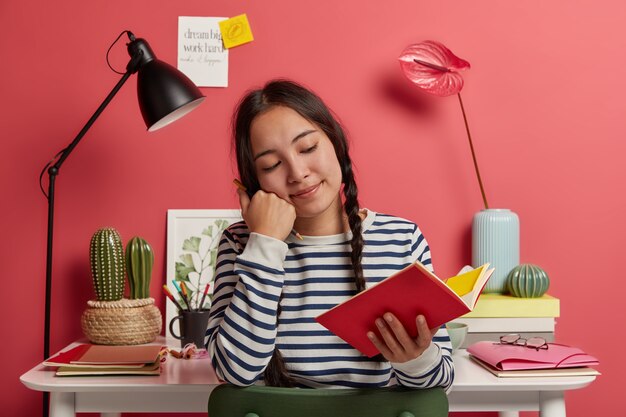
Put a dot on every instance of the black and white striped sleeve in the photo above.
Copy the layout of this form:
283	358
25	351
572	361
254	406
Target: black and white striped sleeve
242	325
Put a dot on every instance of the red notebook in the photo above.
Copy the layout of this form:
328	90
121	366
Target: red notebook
413	290
88	355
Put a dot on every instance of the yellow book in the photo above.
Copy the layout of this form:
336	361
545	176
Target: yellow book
499	305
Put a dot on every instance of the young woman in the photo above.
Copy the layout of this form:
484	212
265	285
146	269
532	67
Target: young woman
292	157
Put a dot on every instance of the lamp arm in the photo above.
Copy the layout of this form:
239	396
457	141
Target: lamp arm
131	68
90	122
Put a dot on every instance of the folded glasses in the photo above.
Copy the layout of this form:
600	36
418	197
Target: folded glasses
517	340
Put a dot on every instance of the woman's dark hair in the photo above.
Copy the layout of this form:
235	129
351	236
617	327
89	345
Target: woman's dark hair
296	97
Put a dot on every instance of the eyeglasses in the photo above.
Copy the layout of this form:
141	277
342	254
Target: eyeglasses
517	340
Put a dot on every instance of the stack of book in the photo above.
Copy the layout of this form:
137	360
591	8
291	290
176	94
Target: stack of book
88	359
495	315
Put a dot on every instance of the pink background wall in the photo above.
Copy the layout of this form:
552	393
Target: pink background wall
545	99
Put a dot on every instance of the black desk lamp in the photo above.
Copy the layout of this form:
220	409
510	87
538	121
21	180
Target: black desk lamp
165	95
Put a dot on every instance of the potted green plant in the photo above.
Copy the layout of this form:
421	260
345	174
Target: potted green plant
111	319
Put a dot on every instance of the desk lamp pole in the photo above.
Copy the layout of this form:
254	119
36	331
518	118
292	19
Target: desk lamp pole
53	171
180	97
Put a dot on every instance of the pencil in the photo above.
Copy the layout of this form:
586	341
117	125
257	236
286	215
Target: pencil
184	287
171	297
206	290
180	292
243	188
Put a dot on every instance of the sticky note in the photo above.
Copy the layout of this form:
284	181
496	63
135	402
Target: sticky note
236	31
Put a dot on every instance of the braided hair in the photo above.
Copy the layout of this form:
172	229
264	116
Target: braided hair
290	94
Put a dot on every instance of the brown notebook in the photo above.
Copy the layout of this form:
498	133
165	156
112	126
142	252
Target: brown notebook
105	355
88	355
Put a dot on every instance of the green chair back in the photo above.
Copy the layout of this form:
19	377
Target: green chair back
228	400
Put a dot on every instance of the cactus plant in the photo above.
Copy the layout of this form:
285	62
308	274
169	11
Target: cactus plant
106	256
139	261
527	281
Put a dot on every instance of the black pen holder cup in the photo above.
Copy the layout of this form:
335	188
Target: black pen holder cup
192	326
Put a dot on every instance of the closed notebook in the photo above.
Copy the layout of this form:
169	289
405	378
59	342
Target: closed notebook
88	355
96	370
510	357
535	373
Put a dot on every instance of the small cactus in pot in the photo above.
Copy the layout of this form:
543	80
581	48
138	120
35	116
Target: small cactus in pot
139	262
112	319
106	256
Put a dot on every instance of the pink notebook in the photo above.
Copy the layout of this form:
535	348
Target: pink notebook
510	357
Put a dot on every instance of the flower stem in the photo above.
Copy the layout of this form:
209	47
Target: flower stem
469	136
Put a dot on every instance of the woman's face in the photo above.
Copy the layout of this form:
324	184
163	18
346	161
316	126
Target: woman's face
294	159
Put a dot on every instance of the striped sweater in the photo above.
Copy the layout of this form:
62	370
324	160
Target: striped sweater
255	273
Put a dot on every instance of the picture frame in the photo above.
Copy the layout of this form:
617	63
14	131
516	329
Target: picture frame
192	242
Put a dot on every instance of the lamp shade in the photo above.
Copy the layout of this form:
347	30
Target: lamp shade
165	94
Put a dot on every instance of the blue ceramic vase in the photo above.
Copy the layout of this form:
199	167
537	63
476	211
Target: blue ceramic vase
495	239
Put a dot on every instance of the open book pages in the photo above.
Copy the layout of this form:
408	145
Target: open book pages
469	284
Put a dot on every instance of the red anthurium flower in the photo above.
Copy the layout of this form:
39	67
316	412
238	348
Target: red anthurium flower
433	68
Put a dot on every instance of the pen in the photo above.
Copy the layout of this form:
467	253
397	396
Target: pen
243	188
171	297
206	290
182	295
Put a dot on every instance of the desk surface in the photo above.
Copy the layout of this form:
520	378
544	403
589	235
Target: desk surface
197	374
184	386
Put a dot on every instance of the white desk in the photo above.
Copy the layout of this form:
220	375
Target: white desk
184	386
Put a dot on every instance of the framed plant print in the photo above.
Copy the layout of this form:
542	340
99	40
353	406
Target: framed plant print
192	241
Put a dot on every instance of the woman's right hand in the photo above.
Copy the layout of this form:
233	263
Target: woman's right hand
267	214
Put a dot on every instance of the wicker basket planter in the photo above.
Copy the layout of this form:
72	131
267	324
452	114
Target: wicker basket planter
123	322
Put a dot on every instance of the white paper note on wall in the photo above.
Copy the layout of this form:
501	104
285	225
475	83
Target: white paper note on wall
201	53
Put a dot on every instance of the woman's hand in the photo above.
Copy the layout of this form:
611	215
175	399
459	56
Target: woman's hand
396	344
267	214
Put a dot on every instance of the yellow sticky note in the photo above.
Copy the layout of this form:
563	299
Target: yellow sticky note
236	31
